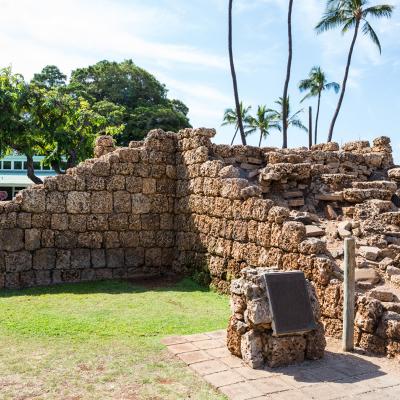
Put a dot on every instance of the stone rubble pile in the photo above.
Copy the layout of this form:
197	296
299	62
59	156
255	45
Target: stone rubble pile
250	334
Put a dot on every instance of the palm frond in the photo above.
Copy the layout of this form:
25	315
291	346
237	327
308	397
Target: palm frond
383	10
333	85
298	124
350	23
331	20
367	30
308	96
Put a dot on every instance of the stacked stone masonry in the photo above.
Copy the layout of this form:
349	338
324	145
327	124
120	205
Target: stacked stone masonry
179	203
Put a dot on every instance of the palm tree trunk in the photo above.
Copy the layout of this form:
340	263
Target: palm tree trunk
234	136
346	75
286	87
261	136
317	118
31	170
234	80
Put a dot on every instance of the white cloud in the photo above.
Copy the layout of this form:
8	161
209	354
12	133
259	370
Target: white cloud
89	30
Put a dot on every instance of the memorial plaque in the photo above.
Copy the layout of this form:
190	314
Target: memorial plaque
289	303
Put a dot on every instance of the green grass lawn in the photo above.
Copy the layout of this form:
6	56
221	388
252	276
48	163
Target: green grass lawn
102	341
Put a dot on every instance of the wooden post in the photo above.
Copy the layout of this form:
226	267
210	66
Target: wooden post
310	128
349	289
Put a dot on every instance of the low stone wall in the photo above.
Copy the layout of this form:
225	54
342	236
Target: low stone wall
110	217
177	202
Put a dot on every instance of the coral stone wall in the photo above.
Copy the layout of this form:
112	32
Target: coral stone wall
177	202
110	217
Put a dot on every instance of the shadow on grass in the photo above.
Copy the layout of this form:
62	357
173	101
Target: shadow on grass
157	284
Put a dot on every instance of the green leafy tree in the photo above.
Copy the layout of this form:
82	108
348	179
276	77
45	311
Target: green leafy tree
240	122
315	84
37	120
137	91
287	80
264	122
50	77
347	15
231	118
291	119
16	133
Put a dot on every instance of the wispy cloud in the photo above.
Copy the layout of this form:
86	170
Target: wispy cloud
93	29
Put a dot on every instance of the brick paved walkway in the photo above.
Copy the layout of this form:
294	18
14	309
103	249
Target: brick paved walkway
338	376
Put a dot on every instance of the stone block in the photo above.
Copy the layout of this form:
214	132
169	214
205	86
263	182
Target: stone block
24	220
32	239
101	168
43	277
153	257
80	258
44	259
97	222
118	222
78	203
115	258
42	220
59	222
65	240
134	257
111	240
98	258
18	261
65	183
95	183
77	222
55	202
140	204
122	202
101	202
48	238
134	184
32	200
91	240
11	239
116	182
63	259
129	239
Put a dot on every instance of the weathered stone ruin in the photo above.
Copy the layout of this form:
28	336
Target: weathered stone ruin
250	334
178	203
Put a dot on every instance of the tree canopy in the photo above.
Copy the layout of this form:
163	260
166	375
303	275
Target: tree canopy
142	96
60	120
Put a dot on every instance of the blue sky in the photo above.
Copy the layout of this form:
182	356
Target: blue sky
184	44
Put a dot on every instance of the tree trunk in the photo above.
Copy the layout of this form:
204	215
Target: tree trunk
234	136
31	170
346	75
309	127
234	81
261	137
317	118
286	87
56	166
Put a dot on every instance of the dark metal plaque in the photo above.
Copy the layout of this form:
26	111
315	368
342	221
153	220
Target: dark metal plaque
289	303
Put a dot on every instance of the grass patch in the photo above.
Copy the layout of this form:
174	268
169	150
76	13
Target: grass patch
101	340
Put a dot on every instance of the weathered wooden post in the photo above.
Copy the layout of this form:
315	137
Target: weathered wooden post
349	288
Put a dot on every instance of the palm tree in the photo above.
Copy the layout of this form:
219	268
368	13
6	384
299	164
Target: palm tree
234	80
231	118
316	83
264	122
287	80
291	119
348	14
